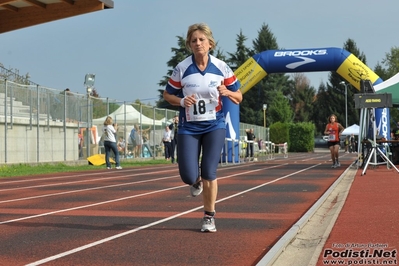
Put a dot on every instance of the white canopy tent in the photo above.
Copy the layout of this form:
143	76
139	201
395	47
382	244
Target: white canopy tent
353	129
132	117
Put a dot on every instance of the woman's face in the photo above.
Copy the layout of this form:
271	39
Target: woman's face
332	119
199	43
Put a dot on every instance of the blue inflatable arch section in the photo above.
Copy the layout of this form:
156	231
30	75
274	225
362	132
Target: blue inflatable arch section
260	65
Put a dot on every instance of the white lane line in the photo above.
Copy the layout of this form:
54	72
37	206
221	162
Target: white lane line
93	188
87	189
115	200
85	181
91	180
27	180
104	240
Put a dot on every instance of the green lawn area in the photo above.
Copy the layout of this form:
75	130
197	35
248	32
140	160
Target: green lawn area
48	168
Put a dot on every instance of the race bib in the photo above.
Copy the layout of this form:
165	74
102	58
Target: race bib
202	110
331	137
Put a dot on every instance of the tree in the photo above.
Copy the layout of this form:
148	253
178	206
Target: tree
302	98
179	54
391	61
280	110
251	110
321	109
241	55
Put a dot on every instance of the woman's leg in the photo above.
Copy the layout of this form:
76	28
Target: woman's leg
188	154
209	194
336	152
212	144
332	153
168	150
114	148
107	152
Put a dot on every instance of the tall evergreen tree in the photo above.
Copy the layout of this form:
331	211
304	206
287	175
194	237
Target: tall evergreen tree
179	54
280	110
302	98
235	60
251	110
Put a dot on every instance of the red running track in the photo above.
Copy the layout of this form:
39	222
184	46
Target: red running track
366	231
145	216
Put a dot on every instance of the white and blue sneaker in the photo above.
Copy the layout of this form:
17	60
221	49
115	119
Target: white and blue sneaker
196	189
208	224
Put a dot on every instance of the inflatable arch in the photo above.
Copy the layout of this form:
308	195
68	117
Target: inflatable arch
343	62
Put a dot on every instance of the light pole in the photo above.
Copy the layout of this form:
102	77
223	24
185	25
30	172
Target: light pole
346	102
264	114
88	83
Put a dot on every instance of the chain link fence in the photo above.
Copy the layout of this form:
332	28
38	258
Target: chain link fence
40	124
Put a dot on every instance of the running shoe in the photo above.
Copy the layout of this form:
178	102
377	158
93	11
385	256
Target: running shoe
208	224
337	164
196	189
118	167
109	168
334	165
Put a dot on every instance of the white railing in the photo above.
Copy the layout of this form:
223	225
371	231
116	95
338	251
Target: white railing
237	151
283	148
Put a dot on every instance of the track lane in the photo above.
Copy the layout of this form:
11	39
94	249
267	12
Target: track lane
156	215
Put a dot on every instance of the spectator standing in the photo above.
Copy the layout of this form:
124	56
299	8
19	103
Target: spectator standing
80	144
109	132
167	142
140	140
121	146
250	143
132	140
174	127
346	142
352	144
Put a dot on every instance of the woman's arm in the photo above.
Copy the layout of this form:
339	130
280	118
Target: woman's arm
326	132
172	99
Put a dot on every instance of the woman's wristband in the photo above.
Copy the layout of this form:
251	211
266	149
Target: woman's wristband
182	102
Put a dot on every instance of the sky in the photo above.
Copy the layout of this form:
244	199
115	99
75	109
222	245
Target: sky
128	47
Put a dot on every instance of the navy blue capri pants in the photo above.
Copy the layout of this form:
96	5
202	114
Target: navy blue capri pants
189	153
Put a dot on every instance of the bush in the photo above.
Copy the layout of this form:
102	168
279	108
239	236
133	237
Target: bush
299	136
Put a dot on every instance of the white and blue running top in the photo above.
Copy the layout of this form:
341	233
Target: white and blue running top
187	79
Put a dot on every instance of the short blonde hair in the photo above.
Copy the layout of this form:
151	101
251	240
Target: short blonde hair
108	121
204	28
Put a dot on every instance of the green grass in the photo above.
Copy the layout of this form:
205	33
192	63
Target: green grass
15	170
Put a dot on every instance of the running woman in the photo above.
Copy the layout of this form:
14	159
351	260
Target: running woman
197	85
334	130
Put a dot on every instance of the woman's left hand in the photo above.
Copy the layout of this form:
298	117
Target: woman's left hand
223	90
235	97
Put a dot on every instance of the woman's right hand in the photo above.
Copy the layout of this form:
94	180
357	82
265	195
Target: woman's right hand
189	100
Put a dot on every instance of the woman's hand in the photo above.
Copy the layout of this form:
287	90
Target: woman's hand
234	96
188	100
